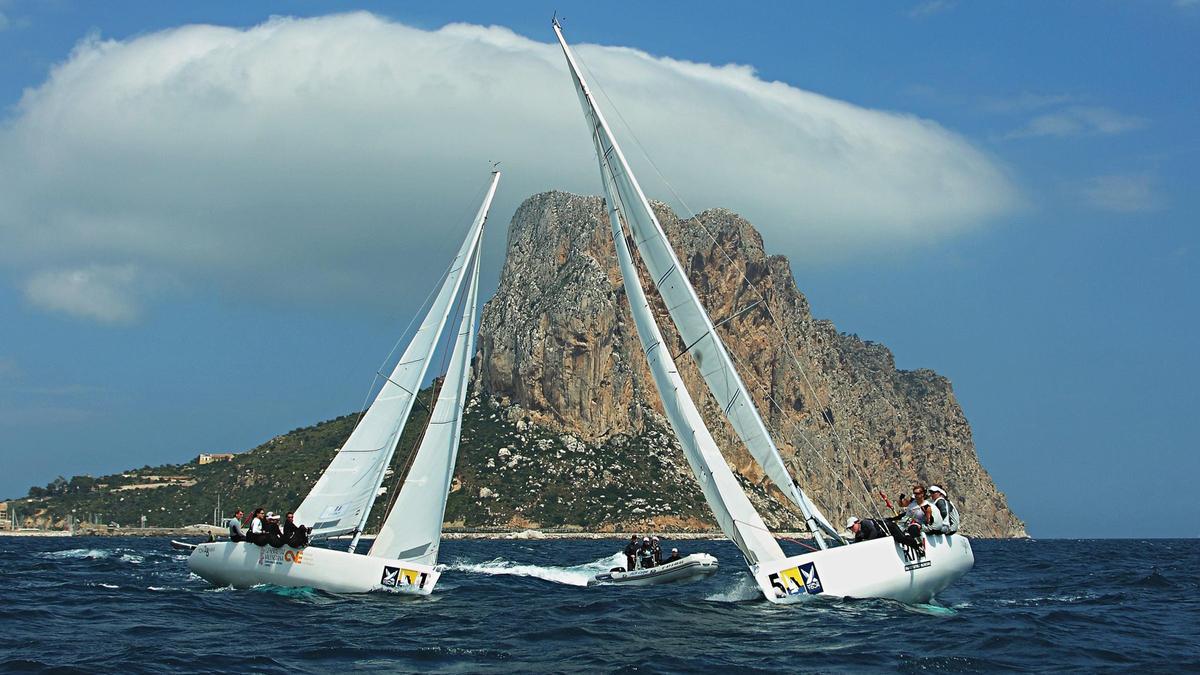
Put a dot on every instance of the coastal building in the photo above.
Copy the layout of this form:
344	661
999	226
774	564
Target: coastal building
205	458
5	517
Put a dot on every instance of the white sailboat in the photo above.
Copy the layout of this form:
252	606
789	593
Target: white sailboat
880	568
403	557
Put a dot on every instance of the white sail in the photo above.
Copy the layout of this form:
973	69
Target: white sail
341	500
733	511
413	529
695	328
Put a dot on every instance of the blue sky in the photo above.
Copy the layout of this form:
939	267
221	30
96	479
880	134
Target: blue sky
1055	285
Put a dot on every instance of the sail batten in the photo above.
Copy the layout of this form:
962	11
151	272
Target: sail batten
684	306
342	498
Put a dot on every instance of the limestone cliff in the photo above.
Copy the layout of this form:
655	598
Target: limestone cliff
559	353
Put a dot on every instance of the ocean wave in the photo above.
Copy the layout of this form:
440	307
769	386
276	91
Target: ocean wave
572	575
76	554
742	589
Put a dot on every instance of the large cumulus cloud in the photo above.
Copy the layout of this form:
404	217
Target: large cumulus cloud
339	158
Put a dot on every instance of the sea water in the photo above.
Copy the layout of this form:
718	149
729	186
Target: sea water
124	604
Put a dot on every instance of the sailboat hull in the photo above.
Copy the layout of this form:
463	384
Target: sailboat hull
243	565
880	568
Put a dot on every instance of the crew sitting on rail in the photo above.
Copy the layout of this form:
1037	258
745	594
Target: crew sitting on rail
295	535
236	533
631	551
257	534
947	514
646	554
904	526
932	521
865	530
274	534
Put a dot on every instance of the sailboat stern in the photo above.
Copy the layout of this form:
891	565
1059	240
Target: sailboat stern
880	568
243	565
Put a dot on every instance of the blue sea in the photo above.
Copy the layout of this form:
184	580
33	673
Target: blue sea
130	605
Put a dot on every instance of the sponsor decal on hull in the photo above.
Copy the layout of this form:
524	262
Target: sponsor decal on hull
269	557
398	577
798	580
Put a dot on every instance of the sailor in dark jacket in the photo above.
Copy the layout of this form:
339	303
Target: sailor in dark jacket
631	551
646	554
294	535
274	534
865	530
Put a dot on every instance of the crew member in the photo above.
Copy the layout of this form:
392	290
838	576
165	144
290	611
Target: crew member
646	554
945	509
865	530
656	549
674	555
904	526
631	551
257	534
933	517
274	534
295	535
236	533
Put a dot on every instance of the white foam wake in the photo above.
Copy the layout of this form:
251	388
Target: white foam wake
741	589
124	555
573	575
78	553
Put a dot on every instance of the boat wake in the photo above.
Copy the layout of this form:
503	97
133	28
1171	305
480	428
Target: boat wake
741	589
124	555
574	575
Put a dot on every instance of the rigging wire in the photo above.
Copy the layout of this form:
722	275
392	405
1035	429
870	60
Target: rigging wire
836	436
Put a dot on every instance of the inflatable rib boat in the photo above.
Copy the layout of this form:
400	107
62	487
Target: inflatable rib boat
687	568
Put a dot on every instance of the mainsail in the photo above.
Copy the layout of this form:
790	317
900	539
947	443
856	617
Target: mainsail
341	500
413	529
692	321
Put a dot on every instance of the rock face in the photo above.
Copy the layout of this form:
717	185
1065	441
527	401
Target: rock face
559	353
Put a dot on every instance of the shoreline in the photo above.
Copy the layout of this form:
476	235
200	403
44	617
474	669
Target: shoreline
526	535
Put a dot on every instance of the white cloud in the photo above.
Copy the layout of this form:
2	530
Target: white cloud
109	294
339	158
929	7
1023	102
1079	121
1122	193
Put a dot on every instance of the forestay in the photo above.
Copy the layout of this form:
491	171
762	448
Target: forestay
692	321
413	529
342	498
